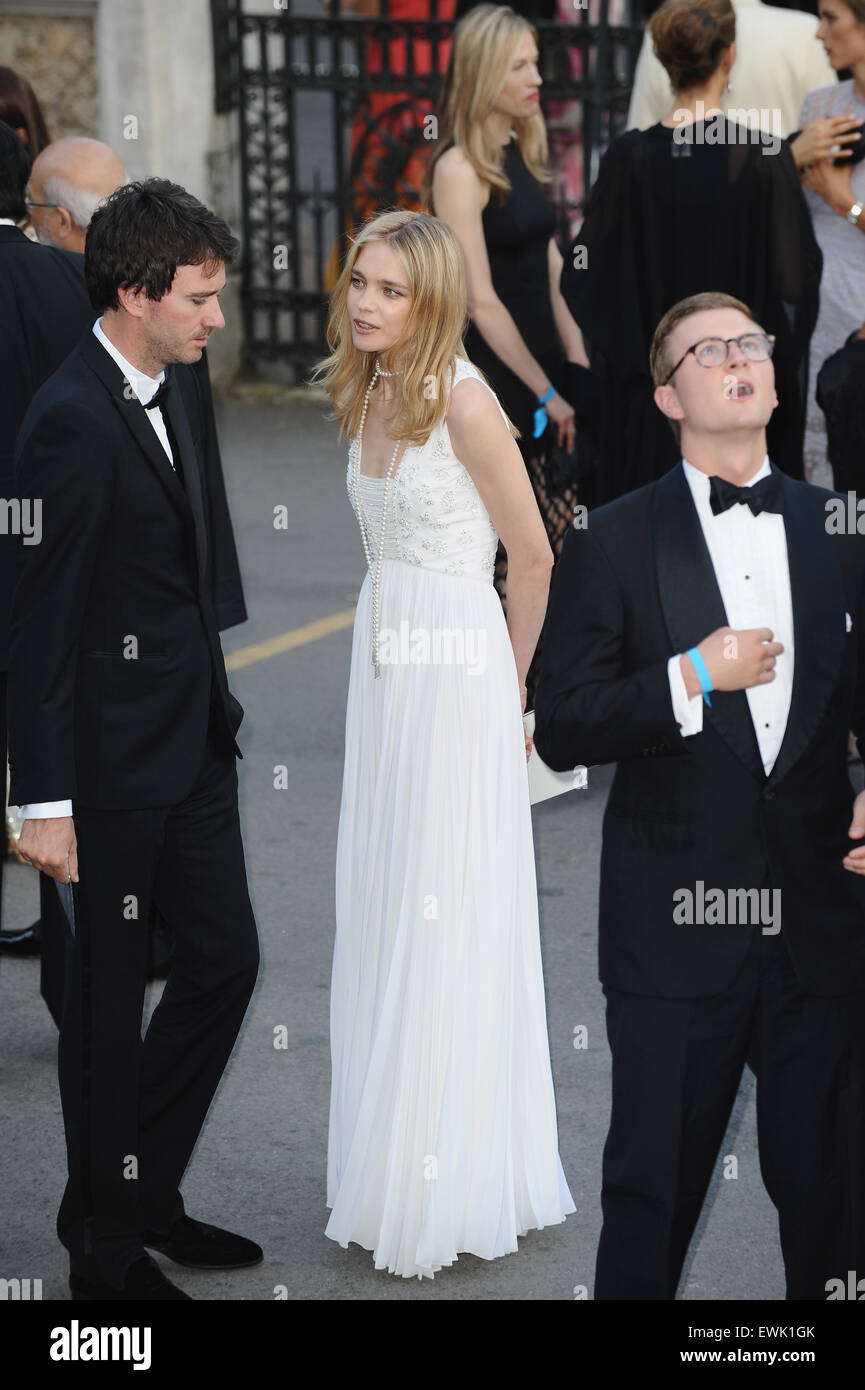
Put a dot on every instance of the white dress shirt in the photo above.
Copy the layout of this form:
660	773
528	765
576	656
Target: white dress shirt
749	556
144	388
779	60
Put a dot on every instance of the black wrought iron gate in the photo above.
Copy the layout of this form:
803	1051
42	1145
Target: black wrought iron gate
330	129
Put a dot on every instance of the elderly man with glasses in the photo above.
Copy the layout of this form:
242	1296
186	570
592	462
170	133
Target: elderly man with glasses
67	182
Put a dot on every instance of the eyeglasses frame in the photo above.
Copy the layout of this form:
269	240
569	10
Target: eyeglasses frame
717	337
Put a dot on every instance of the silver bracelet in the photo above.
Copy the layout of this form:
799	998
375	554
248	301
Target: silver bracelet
854	214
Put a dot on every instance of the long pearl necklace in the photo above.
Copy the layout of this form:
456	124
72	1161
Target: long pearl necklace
376	568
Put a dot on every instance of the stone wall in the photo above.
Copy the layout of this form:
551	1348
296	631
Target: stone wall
140	77
57	53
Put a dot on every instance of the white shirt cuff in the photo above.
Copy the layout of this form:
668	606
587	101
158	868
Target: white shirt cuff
687	709
35	810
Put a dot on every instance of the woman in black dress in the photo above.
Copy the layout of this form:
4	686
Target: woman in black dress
694	203
486	180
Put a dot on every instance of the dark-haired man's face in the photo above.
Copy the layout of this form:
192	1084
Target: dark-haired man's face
177	327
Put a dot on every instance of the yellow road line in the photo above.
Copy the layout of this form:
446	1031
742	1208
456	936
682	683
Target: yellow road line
297	637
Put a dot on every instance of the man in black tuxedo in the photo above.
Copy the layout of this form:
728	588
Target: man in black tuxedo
732	897
44	307
43	310
122	741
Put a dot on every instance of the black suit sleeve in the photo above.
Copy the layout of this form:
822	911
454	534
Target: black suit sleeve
59	468
589	709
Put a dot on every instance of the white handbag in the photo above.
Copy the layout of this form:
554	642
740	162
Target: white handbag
543	782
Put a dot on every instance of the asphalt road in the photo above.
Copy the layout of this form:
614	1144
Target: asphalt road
260	1164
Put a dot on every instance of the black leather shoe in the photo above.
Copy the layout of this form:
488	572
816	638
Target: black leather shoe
198	1246
144	1281
21	943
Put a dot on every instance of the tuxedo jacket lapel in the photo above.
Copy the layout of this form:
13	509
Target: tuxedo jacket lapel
818	623
693	607
134	416
189	501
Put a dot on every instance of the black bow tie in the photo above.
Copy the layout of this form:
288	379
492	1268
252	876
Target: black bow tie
764	496
159	394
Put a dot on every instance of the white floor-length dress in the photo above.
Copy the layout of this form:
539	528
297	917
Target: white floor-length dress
443	1133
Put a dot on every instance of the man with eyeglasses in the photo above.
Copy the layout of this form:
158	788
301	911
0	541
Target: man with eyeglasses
707	635
67	182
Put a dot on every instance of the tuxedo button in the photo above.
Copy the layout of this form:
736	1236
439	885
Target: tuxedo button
767	795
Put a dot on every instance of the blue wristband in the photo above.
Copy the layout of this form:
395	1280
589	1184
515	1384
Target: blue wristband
541	417
702	674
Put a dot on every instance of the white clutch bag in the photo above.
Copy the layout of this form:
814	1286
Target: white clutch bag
543	782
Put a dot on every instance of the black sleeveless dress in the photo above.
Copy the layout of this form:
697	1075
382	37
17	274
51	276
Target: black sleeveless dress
517	234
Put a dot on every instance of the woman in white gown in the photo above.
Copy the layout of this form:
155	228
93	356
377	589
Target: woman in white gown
443	1132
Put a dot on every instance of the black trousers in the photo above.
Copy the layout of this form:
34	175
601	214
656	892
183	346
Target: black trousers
676	1070
4	685
133	1108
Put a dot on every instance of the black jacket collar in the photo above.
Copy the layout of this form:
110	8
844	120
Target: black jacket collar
10	233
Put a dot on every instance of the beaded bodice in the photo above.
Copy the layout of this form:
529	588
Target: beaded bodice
436	518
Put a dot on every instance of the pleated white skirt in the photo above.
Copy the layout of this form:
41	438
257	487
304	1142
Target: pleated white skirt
443	1132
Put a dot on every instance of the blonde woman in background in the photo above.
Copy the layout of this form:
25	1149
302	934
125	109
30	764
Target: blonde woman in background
443	1134
487	179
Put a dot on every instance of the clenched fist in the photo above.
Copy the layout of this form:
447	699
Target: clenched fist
734	660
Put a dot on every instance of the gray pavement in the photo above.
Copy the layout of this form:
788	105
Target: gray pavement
260	1164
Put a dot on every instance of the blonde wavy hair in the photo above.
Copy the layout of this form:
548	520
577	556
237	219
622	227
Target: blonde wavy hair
433	335
482	50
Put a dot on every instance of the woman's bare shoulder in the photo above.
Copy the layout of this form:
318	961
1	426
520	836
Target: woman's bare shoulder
456	169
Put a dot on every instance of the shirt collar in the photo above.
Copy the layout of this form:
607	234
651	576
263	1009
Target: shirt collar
8	222
698	482
143	386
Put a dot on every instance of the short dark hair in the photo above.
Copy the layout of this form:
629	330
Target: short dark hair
142	232
14	173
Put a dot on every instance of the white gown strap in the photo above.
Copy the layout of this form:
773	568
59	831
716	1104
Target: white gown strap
463	368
